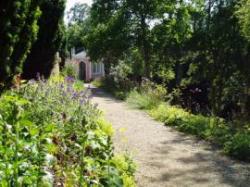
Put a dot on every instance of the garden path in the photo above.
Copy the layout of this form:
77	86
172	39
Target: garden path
165	157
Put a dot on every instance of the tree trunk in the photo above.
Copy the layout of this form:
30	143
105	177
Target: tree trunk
145	47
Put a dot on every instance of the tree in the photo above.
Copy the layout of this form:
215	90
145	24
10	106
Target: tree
78	13
108	37
218	57
197	43
243	14
143	12
102	10
18	31
41	59
121	27
78	26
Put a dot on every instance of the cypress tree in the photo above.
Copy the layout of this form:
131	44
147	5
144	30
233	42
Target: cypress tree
41	59
18	31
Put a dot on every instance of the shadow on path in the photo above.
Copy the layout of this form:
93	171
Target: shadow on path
165	157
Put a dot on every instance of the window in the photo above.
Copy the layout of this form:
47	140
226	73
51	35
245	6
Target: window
96	68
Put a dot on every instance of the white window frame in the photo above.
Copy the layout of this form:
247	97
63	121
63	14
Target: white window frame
96	68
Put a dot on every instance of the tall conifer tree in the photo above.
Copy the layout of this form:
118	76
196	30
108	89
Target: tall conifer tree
18	31
41	59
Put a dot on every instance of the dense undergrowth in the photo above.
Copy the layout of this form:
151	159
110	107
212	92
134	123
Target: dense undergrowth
234	139
51	135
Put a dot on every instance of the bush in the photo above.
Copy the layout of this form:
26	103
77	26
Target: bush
148	96
239	145
69	71
120	74
235	142
51	134
141	101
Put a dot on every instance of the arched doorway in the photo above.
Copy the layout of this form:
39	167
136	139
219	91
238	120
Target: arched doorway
82	71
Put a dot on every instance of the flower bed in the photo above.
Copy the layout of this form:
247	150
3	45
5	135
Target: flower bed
51	135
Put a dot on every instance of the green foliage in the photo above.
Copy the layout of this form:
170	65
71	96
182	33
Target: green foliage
178	44
50	133
117	82
244	17
235	142
110	86
42	56
239	145
78	13
18	31
69	71
194	48
141	101
78	27
232	137
148	96
128	27
127	167
119	74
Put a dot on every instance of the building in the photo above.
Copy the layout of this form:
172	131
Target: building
87	70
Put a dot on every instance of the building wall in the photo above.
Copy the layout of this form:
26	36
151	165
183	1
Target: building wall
82	57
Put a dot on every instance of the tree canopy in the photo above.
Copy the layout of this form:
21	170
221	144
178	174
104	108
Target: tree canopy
203	43
42	56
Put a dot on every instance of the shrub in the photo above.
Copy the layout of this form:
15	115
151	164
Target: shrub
127	167
148	96
155	91
235	142
169	115
69	71
239	145
120	74
51	134
141	101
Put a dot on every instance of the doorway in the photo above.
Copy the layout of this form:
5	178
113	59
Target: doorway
82	71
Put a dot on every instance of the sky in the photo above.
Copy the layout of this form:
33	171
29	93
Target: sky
70	4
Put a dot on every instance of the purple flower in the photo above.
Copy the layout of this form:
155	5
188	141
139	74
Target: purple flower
69	79
75	95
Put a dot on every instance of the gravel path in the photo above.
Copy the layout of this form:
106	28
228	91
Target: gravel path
165	157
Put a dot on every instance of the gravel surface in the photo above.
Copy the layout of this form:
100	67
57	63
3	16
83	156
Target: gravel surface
165	157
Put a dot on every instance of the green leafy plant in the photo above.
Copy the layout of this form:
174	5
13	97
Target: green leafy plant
69	71
148	96
235	142
52	134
